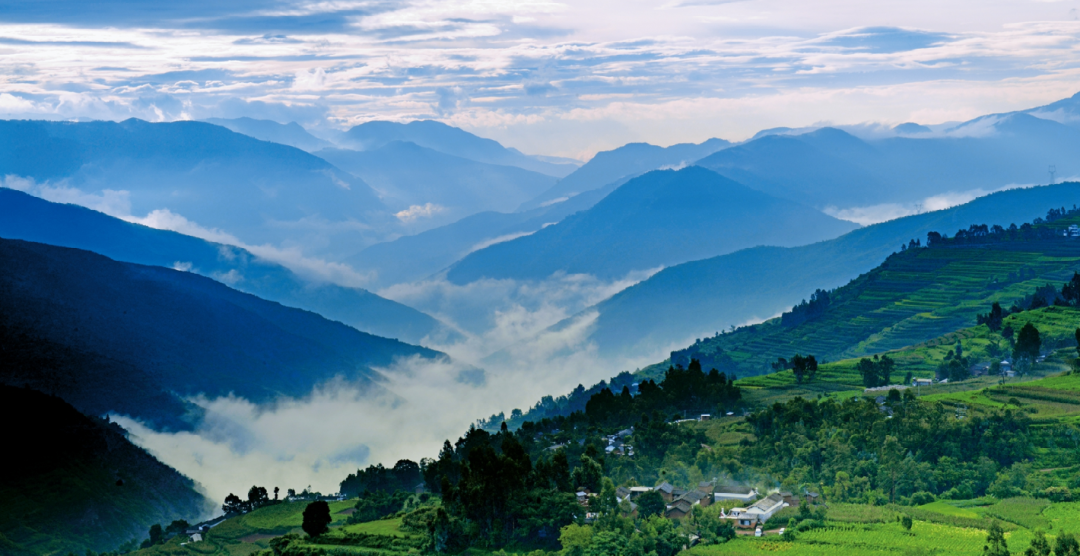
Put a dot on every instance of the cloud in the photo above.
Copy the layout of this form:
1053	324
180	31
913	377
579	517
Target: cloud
320	438
414	212
503	238
890	211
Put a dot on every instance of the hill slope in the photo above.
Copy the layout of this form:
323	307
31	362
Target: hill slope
450	140
912	297
622	163
291	134
165	332
29	218
661	218
407	174
258	191
78	484
415	257
701	297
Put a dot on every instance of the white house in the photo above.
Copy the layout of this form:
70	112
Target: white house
742	494
759	512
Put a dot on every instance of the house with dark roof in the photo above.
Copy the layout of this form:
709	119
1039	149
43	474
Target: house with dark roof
667	491
678	509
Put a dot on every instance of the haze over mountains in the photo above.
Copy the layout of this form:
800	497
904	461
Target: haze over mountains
532	260
29	218
450	140
661	218
705	296
406	174
257	191
156	335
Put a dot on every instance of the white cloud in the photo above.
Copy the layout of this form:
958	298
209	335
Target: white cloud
890	211
427	210
499	239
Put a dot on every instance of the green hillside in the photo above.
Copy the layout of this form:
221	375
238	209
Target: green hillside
912	297
73	483
1056	326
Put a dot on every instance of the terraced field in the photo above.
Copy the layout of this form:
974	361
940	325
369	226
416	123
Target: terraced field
249	533
1056	326
912	298
940	528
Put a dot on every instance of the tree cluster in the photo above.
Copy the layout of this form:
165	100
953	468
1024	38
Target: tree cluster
807	310
876	371
494	495
682	391
257	497
404	475
860	453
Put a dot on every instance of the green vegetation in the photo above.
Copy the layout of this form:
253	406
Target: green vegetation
977	463
914	296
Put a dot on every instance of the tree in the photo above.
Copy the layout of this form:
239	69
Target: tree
789	530
233	505
906	522
157	536
177	527
804	367
575	539
650	503
1028	343
993	319
587	474
316	518
276	489
257	497
1066	545
995	542
1077	342
1039	545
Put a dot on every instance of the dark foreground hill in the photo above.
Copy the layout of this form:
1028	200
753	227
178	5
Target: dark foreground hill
699	298
81	321
73	483
29	218
661	218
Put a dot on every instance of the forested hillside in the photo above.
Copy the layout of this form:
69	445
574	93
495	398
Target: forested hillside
78	484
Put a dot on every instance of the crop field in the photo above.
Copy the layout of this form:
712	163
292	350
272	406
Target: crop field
861	540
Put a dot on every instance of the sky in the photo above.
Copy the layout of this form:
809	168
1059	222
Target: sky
546	77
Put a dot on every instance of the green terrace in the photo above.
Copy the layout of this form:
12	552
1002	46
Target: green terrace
913	297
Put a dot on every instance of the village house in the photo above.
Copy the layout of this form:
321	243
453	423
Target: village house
638	491
678	509
759	512
696	497
740	493
667	491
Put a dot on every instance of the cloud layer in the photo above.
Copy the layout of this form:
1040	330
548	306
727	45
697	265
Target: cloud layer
549	77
